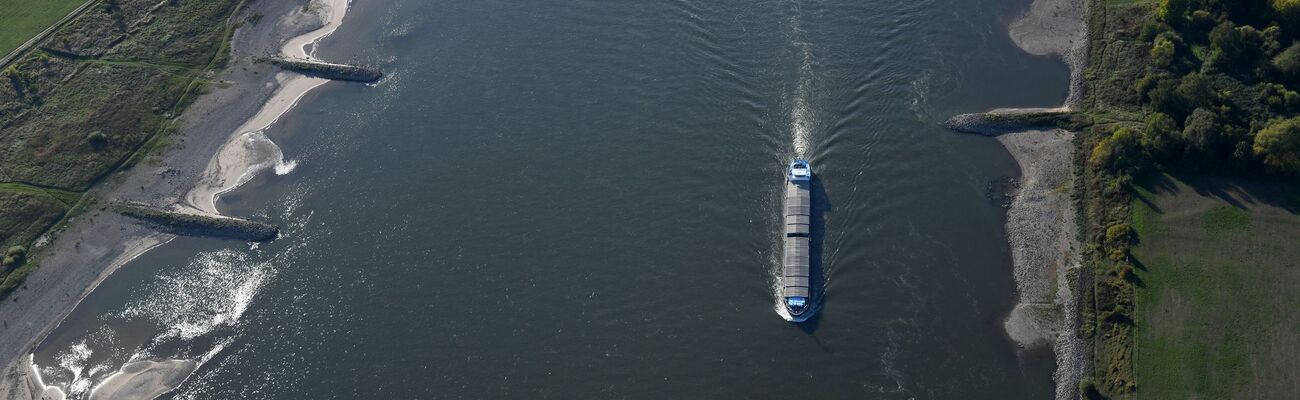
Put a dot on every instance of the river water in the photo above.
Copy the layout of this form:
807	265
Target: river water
579	199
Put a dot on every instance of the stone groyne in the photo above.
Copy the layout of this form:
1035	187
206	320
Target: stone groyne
1008	120
201	225
332	71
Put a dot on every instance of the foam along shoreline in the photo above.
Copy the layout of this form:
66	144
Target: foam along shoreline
249	151
24	380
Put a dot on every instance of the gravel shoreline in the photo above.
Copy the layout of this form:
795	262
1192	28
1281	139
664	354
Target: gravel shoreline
93	245
1041	222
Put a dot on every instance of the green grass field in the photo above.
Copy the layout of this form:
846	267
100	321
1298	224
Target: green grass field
1218	314
23	19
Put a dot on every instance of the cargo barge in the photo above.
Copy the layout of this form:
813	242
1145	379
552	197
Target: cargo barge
796	291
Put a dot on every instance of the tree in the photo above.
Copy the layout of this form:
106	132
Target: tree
1279	144
1236	49
1160	138
1278	98
1172	12
1162	52
1198	130
1195	90
1288	63
1117	151
1164	97
1287	10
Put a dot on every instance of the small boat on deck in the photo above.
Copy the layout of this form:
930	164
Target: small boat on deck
795	288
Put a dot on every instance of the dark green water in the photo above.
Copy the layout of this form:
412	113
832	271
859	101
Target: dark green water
579	199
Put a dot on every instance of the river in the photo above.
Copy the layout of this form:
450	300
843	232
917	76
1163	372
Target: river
580	199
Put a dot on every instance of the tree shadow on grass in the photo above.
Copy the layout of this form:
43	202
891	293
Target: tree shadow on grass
1240	192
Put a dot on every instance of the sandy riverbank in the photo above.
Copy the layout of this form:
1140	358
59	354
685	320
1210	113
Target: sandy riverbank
144	380
93	245
1060	28
1041	222
249	151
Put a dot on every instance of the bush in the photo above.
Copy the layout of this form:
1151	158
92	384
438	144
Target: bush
1202	22
97	139
1195	91
1237	49
1160	138
1198	130
1172	12
1119	235
1279	145
1278	98
1117	151
14	256
1162	52
1164	97
1088	389
1288	10
1288	62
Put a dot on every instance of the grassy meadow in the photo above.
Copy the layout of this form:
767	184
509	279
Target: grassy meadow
1217	265
93	98
23	19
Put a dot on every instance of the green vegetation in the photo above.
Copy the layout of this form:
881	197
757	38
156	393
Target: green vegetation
1215	95
23	19
92	99
1216	299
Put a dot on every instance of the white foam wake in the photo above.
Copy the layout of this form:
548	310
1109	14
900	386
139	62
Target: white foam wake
800	112
802	120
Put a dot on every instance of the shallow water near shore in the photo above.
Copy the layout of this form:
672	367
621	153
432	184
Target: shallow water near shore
580	200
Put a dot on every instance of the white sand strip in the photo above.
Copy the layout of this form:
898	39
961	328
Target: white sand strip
239	159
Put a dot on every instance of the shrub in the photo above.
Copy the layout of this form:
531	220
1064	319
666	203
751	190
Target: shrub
1288	62
1172	12
97	139
1195	91
14	256
1198	130
1119	235
1279	145
1162	52
1088	389
1164	97
1288	10
1278	97
1160	138
1202	22
1237	49
1117	151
